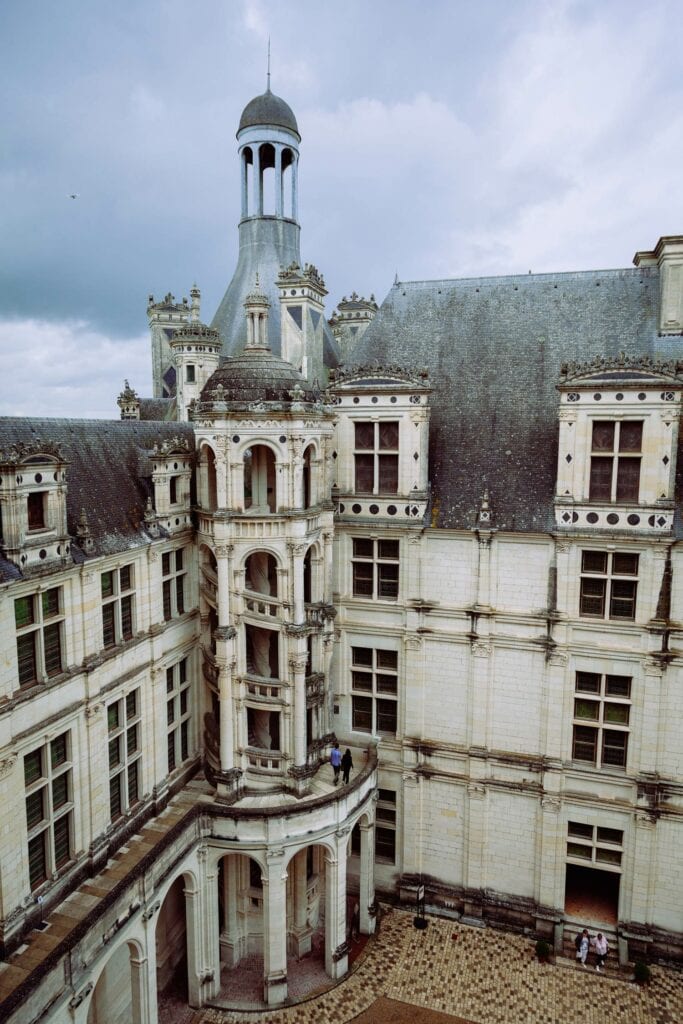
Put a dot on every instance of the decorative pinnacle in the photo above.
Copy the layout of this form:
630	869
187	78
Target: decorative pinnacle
268	75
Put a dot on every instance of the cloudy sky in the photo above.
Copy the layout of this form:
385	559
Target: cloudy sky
444	138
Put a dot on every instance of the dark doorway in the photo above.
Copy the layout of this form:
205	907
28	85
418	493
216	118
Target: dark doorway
591	896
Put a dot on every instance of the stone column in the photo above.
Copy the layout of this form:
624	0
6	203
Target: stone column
484	575
475	876
275	930
366	897
301	932
148	918
230	940
550	868
278	180
640	910
194	946
297	665
297	551
336	947
139	991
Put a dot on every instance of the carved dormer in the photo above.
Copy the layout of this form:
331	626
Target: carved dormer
382	442
172	470
618	444
33	504
302	318
129	403
350	320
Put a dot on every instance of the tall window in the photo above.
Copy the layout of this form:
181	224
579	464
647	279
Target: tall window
374	690
36	505
602	707
178	714
376	457
608	584
49	808
173	572
39	621
385	827
125	753
375	568
117	605
189	373
615	460
591	844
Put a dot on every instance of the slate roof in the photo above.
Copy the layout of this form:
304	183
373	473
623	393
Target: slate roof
159	409
256	375
493	348
109	474
268	109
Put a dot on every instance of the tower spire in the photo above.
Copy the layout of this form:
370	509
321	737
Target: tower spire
268	75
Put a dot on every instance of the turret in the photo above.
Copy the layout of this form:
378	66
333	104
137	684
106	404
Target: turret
350	320
196	351
164	319
302	295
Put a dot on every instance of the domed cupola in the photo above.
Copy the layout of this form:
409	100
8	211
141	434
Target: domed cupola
268	109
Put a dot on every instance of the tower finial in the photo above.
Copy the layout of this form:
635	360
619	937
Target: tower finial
268	77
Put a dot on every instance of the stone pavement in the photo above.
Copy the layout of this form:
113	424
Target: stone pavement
479	974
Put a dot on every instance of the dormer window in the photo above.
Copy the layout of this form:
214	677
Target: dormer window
376	457
615	460
36	504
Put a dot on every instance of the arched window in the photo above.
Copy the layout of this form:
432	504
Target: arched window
259	480
261	574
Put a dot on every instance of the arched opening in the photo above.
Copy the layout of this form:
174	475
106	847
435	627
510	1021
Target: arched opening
261	573
259	480
308	492
263	728
248	202
269	181
208	494
308	583
262	652
287	177
114	1001
171	944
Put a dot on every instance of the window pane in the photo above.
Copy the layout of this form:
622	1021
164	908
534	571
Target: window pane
132	739
26	658
364	435
386	796
37	868
58	751
623	603
608	856
365	473
108	625
179	559
361	656
618	686
127	617
592	596
588	682
170	711
614	748
388	474
182	669
173	489
362	713
388	436
594	561
33	766
35	808
166	563
624	564
51	603
180	594
184	741
183	702
60	791
167	600
600	488
171	751
386	716
115	796
113	717
616	714
362	681
603	436
23	611
36	510
133	784
385	844
114	752
52	649
124	578
628	479
363	547
363	576
387	684
579	830
587	709
585	744
387	582
631	436
387	659
107	584
132	704
169	680
62	840
576	850
610	835
388	549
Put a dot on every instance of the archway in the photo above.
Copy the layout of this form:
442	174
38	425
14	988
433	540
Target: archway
117	998
259	480
208	492
261	573
171	946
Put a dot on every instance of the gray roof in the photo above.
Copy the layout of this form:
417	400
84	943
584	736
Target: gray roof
268	109
256	375
493	348
109	473
159	409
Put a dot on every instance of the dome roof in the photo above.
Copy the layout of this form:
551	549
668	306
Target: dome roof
268	109
256	375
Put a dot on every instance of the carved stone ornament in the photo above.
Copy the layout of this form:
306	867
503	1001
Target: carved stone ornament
551	803
476	790
172	446
563	547
481	649
413	642
7	765
21	451
670	368
93	710
558	658
376	370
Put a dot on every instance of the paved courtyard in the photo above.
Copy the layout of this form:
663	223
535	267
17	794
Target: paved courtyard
473	976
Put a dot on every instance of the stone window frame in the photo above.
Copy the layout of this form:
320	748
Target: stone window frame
595	846
37	505
373	571
49	804
607	720
621	460
173	576
374	699
117	588
385	826
178	713
124	733
608	592
377	459
45	628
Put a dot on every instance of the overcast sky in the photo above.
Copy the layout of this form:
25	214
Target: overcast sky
439	139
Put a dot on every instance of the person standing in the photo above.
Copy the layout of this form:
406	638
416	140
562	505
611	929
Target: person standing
601	949
582	943
346	765
335	761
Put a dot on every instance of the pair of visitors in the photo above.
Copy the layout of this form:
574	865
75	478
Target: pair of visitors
345	763
600	945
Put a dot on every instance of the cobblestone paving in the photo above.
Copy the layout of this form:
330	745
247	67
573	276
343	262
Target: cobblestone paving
482	975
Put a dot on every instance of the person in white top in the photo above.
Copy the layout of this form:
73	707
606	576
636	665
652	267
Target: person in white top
601	949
